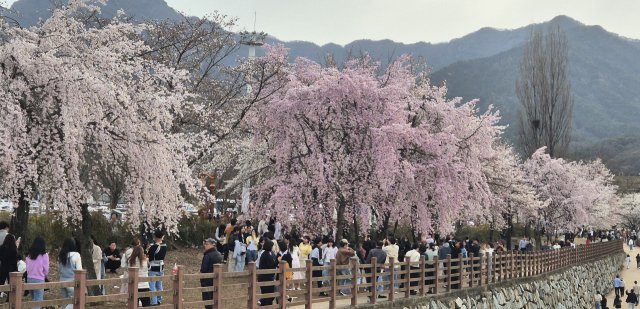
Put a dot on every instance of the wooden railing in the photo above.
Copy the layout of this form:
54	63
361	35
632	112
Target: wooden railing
423	277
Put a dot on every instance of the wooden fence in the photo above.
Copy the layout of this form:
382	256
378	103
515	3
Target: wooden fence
422	277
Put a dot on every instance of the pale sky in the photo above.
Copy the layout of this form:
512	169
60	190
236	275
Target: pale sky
409	21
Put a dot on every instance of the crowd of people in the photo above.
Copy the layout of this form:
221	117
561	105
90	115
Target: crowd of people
35	267
236	244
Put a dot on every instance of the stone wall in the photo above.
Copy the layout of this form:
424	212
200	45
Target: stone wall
569	287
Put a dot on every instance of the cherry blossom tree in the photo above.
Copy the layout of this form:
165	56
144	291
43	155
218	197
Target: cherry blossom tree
572	194
77	99
352	143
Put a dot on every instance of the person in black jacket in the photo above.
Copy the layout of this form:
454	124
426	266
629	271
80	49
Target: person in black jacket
211	256
474	251
455	254
8	257
367	245
268	260
316	258
631	298
156	253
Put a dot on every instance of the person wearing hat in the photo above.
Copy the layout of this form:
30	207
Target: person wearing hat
211	257
343	256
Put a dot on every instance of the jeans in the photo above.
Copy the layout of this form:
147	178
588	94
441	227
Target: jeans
252	256
632	306
240	262
36	295
67	293
395	277
341	272
598	305
631	247
325	273
232	263
156	286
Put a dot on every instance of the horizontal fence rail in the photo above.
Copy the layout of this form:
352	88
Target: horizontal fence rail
364	280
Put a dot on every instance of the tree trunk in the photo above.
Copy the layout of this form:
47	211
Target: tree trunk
356	230
491	232
538	233
340	220
19	225
86	244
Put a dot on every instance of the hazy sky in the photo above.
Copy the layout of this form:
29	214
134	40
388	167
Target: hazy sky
409	21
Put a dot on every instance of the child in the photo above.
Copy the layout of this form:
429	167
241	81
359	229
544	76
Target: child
617	303
628	261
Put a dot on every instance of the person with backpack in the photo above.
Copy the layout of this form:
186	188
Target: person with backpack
68	261
37	267
157	253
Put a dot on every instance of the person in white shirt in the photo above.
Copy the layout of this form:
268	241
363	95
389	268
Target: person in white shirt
263	226
328	253
413	256
391	249
556	246
278	226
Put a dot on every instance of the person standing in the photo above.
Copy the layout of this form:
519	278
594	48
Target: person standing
38	267
211	257
96	257
523	244
252	247
231	262
278	229
636	289
4	231
113	258
328	253
632	299
316	258
413	256
392	250
268	260
598	300
68	261
157	253
628	259
616	286
8	257
221	238
380	256
630	244
139	260
263	226
343	256
295	259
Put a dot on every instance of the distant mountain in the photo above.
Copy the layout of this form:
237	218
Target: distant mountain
30	11
482	43
605	74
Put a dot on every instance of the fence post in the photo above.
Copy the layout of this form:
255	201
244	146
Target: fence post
79	291
448	270
436	267
282	277
489	274
133	288
309	296
217	285
178	284
500	275
421	283
251	290
472	276
374	279
354	291
407	276
15	294
392	281
333	283
460	271
480	272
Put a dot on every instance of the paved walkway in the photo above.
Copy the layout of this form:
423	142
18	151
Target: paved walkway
628	275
